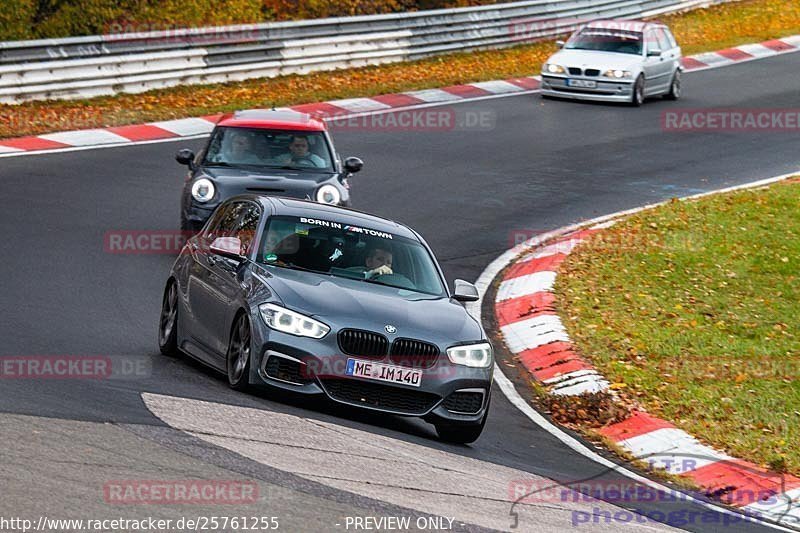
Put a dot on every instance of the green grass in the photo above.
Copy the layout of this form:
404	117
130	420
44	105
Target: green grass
695	306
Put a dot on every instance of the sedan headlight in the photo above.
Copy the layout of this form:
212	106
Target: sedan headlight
474	355
203	190
550	68
282	319
616	73
328	194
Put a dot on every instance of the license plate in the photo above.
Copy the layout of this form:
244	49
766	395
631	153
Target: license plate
589	84
381	372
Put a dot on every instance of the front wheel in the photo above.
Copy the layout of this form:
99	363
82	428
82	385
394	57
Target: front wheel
674	87
637	98
238	357
168	321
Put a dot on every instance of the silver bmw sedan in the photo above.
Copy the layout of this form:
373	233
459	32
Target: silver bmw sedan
615	61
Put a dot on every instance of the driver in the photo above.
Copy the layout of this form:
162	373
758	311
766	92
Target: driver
299	154
377	263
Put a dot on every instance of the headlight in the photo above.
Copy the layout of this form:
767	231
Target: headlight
553	69
328	194
615	73
287	321
203	190
474	355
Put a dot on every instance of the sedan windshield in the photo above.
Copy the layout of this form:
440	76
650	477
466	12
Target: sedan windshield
603	40
296	150
347	251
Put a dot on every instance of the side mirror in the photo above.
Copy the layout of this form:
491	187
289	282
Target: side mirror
465	291
230	247
560	43
353	164
185	157
653	52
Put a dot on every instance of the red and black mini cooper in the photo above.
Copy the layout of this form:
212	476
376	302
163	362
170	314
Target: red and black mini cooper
269	152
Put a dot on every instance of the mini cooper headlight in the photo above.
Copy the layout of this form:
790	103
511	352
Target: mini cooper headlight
203	190
474	355
550	68
282	319
616	73
328	194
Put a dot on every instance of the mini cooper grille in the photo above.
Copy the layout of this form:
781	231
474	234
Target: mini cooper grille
286	370
363	343
592	72
380	396
575	71
414	353
464	402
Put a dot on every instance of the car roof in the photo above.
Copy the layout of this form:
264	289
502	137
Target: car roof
620	24
304	208
279	119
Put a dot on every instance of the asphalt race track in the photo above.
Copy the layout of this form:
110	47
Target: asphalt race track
545	164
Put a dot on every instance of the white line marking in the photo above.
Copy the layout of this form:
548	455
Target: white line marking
672	449
497	86
756	50
713	59
434	95
359	105
590	386
86	137
533	332
186	126
525	285
9	149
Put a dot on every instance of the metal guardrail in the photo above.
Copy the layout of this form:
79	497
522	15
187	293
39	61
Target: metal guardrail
82	67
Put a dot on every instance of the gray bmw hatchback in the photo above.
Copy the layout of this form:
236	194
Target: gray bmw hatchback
328	301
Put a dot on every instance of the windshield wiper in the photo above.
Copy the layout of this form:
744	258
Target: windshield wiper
217	164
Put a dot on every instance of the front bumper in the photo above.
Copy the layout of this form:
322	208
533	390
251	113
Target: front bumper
605	91
447	392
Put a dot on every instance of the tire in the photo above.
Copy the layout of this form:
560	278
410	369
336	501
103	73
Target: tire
674	87
637	98
168	320
237	360
462	433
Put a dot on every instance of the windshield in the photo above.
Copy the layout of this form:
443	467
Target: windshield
297	150
603	40
353	252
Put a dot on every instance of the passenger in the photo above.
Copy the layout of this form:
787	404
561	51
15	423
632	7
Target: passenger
240	150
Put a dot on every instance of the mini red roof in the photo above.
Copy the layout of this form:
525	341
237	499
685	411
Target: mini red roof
284	119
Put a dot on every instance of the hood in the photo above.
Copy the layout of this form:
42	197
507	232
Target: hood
345	303
243	180
593	59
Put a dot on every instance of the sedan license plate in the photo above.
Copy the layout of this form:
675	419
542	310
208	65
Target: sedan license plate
381	372
589	84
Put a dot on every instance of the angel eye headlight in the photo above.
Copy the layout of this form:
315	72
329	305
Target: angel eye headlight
553	69
616	73
474	355
328	194
203	190
288	321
